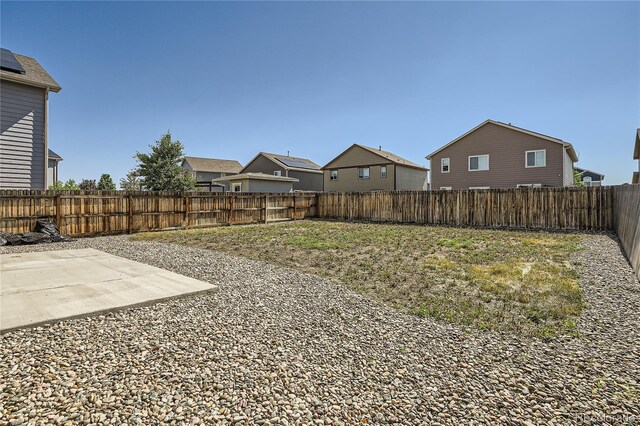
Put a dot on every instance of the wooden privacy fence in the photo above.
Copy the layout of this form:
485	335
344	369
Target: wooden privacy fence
546	208
627	221
88	213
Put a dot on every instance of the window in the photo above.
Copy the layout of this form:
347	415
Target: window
536	158
277	173
333	175
236	187
478	187
383	171
478	162
363	173
586	180
223	174
445	188
444	165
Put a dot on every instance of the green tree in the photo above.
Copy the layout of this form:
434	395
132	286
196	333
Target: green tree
577	178
88	185
161	169
131	182
106	183
68	185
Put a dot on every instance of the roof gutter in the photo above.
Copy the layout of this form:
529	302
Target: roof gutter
30	83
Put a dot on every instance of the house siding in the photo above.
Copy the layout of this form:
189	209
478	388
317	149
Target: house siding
23	151
506	149
307	181
348	180
262	186
410	179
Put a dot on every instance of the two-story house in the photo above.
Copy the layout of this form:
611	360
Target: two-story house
307	173
361	168
204	170
24	108
499	155
589	177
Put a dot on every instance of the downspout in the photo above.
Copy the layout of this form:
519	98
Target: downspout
46	138
395	180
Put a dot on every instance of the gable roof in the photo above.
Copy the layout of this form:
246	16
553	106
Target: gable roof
572	153
53	156
215	165
281	161
582	170
395	159
34	74
636	150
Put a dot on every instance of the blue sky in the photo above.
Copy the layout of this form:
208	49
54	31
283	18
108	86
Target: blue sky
232	79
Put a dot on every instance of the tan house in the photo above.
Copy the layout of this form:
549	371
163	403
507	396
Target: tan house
24	108
361	168
636	156
499	155
257	182
307	173
204	170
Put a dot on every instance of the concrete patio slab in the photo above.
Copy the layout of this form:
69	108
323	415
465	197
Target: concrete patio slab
48	286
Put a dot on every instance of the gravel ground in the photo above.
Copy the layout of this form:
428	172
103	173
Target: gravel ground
276	346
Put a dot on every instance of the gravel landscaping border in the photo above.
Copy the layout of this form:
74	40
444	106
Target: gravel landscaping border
276	346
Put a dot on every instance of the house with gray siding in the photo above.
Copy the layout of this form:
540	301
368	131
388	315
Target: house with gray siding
361	168
24	110
204	170
307	173
499	155
258	182
589	177
52	169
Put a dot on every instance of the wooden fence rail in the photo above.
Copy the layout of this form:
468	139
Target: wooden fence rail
543	208
89	213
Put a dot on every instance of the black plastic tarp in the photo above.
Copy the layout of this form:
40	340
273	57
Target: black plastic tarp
46	232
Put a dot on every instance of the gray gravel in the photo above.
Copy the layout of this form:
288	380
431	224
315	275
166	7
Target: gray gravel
276	346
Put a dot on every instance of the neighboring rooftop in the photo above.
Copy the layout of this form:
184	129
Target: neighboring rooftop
34	74
572	153
54	156
384	154
288	162
259	176
214	165
582	170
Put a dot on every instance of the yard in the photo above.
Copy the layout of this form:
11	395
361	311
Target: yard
512	281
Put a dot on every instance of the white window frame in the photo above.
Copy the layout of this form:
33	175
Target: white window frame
236	185
446	188
442	165
479	187
368	173
331	172
277	172
477	170
544	158
383	176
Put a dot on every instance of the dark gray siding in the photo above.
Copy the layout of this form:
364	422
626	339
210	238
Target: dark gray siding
22	137
308	181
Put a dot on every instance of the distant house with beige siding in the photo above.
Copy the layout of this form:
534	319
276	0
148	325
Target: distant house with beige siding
499	155
307	173
204	170
361	168
24	109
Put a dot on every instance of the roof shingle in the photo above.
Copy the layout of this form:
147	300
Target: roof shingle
215	165
34	75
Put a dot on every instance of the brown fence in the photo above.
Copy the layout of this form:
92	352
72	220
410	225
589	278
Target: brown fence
627	221
88	213
547	208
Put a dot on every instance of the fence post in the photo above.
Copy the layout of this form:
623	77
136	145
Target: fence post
129	213
231	198
266	208
58	212
186	211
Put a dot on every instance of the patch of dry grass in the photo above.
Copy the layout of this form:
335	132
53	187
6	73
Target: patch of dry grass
491	279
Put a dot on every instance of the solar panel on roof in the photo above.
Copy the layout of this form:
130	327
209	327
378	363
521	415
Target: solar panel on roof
296	163
8	62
